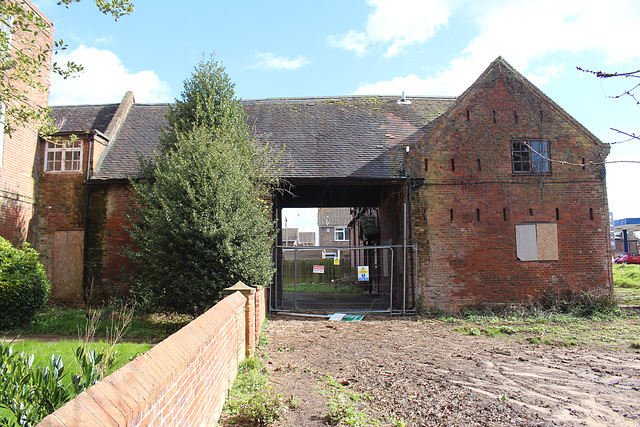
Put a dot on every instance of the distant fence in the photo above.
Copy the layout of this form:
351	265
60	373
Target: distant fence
302	271
183	380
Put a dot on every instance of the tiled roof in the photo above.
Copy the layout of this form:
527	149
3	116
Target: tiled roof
344	137
341	137
290	234
137	137
307	237
79	118
334	216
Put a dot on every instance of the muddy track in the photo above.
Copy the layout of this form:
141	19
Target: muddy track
427	374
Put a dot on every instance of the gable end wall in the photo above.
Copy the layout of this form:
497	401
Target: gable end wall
464	216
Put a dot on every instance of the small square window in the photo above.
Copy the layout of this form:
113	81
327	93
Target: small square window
530	157
63	156
340	234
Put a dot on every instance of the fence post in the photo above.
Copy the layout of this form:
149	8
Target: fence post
249	314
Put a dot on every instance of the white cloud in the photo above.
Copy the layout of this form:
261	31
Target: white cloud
105	79
521	32
353	40
397	24
270	61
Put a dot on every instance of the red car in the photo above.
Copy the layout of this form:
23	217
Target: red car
627	258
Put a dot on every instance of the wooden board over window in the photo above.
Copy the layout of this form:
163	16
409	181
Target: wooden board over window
547	241
537	242
68	248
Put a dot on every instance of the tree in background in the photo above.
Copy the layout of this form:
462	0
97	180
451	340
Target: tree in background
201	221
21	68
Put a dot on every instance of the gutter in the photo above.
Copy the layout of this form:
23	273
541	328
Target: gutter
87	200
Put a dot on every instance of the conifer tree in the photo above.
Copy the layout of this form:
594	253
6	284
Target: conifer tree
201	221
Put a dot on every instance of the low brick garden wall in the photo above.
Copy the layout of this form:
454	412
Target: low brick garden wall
183	380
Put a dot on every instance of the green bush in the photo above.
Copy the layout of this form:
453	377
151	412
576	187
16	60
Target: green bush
24	288
29	393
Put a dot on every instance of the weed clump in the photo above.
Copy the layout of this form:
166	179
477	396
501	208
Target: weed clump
251	401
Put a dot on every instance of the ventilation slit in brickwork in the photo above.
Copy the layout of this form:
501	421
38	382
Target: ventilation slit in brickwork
530	212
453	165
540	115
591	213
557	214
477	214
504	213
468	115
451	215
495	120
426	164
515	116
479	165
583	164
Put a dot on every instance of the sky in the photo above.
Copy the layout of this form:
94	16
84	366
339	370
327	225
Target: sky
282	48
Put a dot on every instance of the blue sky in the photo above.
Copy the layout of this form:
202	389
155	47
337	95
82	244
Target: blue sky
340	47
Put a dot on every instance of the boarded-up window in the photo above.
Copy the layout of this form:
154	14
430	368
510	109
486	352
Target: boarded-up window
67	265
537	242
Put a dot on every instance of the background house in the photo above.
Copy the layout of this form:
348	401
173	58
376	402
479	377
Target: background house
333	230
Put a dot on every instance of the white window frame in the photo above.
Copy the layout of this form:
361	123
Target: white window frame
330	253
63	156
343	231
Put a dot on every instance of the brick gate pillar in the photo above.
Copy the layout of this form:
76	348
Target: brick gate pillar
249	314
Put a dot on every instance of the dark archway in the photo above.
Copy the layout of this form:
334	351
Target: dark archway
389	285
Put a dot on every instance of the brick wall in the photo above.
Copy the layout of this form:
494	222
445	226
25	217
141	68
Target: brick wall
464	216
184	380
19	160
107	238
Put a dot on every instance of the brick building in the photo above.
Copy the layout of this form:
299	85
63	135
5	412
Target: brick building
492	197
495	219
19	159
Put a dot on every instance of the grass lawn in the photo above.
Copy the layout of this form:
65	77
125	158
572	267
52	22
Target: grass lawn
72	322
42	351
626	282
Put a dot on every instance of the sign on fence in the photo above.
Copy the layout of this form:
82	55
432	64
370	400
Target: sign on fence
318	269
363	273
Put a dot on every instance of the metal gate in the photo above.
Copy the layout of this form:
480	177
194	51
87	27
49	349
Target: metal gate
340	278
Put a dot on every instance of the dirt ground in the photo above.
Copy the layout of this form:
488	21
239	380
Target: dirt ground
427	374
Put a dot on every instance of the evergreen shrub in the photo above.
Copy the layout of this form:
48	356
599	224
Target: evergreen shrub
24	288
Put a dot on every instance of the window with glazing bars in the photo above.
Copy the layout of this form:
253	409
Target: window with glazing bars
63	156
530	156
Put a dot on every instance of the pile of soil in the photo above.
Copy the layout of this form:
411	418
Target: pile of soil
427	374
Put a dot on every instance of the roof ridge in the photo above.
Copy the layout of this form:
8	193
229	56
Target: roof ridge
338	97
85	105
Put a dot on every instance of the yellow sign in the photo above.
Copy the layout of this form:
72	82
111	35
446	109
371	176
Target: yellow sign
336	261
363	273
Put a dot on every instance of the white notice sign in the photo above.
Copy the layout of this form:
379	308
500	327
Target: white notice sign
363	273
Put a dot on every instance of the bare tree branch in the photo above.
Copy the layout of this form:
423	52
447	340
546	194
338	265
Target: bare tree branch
605	75
631	136
564	162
